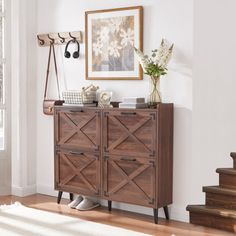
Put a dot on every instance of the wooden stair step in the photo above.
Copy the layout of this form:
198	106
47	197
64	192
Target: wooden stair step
219	190
210	216
229	171
220	197
233	155
227	177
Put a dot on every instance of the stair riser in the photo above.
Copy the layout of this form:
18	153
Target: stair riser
227	181
221	201
213	221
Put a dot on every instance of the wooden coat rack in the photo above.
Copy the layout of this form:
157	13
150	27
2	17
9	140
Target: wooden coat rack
45	40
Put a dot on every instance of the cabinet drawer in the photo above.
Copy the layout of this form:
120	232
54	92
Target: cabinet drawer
129	179
77	172
130	132
77	128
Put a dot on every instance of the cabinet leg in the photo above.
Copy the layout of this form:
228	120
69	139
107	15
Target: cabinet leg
109	205
155	214
59	197
71	197
166	212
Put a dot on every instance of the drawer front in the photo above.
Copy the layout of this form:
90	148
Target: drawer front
130	132
77	172
130	180
77	129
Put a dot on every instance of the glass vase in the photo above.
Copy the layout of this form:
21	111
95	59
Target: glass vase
155	96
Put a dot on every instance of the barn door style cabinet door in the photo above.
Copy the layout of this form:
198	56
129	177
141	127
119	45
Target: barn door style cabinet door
123	155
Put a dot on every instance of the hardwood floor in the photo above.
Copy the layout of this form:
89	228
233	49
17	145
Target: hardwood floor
128	220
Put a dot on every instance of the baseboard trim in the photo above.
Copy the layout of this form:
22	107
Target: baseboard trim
23	191
49	190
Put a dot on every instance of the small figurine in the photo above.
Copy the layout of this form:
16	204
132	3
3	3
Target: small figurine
104	99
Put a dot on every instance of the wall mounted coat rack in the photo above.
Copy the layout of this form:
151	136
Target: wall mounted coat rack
44	40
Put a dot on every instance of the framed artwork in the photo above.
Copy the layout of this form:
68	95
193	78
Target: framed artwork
110	37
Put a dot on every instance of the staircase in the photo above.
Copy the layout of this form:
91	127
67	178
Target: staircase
220	208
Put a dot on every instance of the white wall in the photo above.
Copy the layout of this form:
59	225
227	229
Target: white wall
214	100
162	18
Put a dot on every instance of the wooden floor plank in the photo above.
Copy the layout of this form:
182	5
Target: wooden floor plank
118	218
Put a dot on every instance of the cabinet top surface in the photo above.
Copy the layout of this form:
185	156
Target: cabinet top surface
75	107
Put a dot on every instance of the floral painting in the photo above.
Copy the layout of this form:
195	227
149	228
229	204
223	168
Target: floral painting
113	41
111	36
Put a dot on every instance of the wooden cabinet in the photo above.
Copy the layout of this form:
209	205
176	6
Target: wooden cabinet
130	180
78	129
130	133
77	172
123	155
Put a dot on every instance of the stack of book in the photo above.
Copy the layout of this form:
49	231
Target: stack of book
133	102
81	104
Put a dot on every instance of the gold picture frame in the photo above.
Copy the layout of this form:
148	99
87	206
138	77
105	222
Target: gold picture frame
109	39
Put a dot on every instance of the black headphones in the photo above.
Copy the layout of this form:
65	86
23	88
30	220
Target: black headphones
76	53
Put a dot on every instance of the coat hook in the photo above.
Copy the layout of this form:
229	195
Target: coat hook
41	41
51	39
62	39
74	38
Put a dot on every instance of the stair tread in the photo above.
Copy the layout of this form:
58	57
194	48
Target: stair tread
216	211
230	171
220	190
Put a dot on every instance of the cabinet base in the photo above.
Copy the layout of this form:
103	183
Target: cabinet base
60	196
155	214
109	205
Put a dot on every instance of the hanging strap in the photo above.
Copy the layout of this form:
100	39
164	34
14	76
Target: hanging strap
51	48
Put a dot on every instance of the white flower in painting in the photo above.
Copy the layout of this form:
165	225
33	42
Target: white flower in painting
97	47
103	34
114	48
127	37
115	23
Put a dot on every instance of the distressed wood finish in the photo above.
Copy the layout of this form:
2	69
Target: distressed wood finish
217	222
77	172
130	180
131	133
227	177
123	155
77	128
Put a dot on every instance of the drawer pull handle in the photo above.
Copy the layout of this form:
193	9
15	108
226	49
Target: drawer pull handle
128	113
76	153
128	159
72	111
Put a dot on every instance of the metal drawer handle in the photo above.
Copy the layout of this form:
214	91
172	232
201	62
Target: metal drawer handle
128	113
76	111
76	153
128	159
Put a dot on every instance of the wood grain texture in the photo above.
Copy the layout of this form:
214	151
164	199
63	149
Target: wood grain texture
164	177
128	220
219	210
123	155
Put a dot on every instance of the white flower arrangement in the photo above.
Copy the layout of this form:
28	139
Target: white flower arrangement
156	65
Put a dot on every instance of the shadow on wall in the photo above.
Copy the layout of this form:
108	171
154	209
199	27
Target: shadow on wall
182	177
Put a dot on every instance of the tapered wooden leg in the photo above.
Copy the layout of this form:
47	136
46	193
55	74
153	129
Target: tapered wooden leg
155	214
71	197
166	212
109	205
59	197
